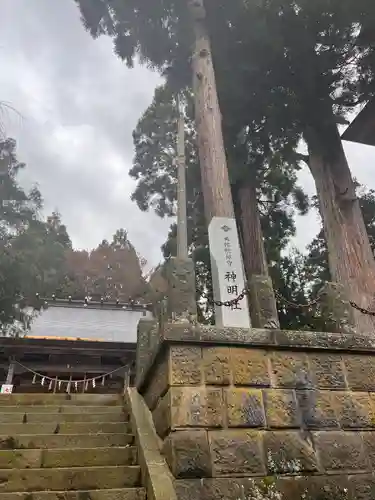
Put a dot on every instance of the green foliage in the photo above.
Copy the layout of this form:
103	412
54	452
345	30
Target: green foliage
32	251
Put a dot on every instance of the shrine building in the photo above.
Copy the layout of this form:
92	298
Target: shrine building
74	346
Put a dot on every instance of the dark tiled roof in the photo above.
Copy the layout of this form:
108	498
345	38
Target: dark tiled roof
107	324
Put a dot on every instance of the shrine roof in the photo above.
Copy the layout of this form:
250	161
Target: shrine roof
362	128
94	321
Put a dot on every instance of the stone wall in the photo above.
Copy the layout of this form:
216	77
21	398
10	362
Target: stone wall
261	414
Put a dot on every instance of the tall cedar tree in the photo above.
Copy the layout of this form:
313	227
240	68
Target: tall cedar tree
295	65
273	184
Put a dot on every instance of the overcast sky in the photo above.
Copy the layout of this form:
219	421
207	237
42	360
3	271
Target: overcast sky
79	106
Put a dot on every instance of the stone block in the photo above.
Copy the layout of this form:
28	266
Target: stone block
369	444
340	450
148	339
360	372
317	409
158	383
162	415
188	454
240	336
290	371
327	371
82	478
244	408
236	452
314	488
281	408
355	410
210	489
196	407
216	363
362	486
249	367
263	310
186	365
289	453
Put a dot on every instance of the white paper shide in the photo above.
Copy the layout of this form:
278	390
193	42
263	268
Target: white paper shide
227	272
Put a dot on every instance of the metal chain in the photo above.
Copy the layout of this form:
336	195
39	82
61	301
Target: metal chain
237	300
295	305
226	303
361	309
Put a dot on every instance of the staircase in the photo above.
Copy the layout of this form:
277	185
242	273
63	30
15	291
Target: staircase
60	447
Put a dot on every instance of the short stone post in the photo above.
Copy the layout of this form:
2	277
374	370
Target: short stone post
262	303
336	309
181	301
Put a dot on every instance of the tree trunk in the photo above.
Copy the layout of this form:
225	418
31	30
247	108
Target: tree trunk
254	252
262	303
215	180
350	258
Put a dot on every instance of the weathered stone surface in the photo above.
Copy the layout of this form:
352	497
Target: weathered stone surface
64	428
340	450
242	336
263	310
369	444
314	488
317	409
188	454
20	459
281	408
64	441
85	457
196	407
360	372
156	475
180	275
362	486
336	309
289	453
147	338
290	371
159	382
112	414
186	365
355	410
38	401
249	367
80	478
89	457
244	408
236	452
216	362
162	415
113	494
327	371
210	489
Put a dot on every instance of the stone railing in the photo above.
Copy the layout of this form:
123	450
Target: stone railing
262	414
287	413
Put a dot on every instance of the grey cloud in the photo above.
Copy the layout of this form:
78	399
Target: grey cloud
80	104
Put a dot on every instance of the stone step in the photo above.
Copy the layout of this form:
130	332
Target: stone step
61	399
64	441
71	457
64	428
31	417
74	478
109	494
63	409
